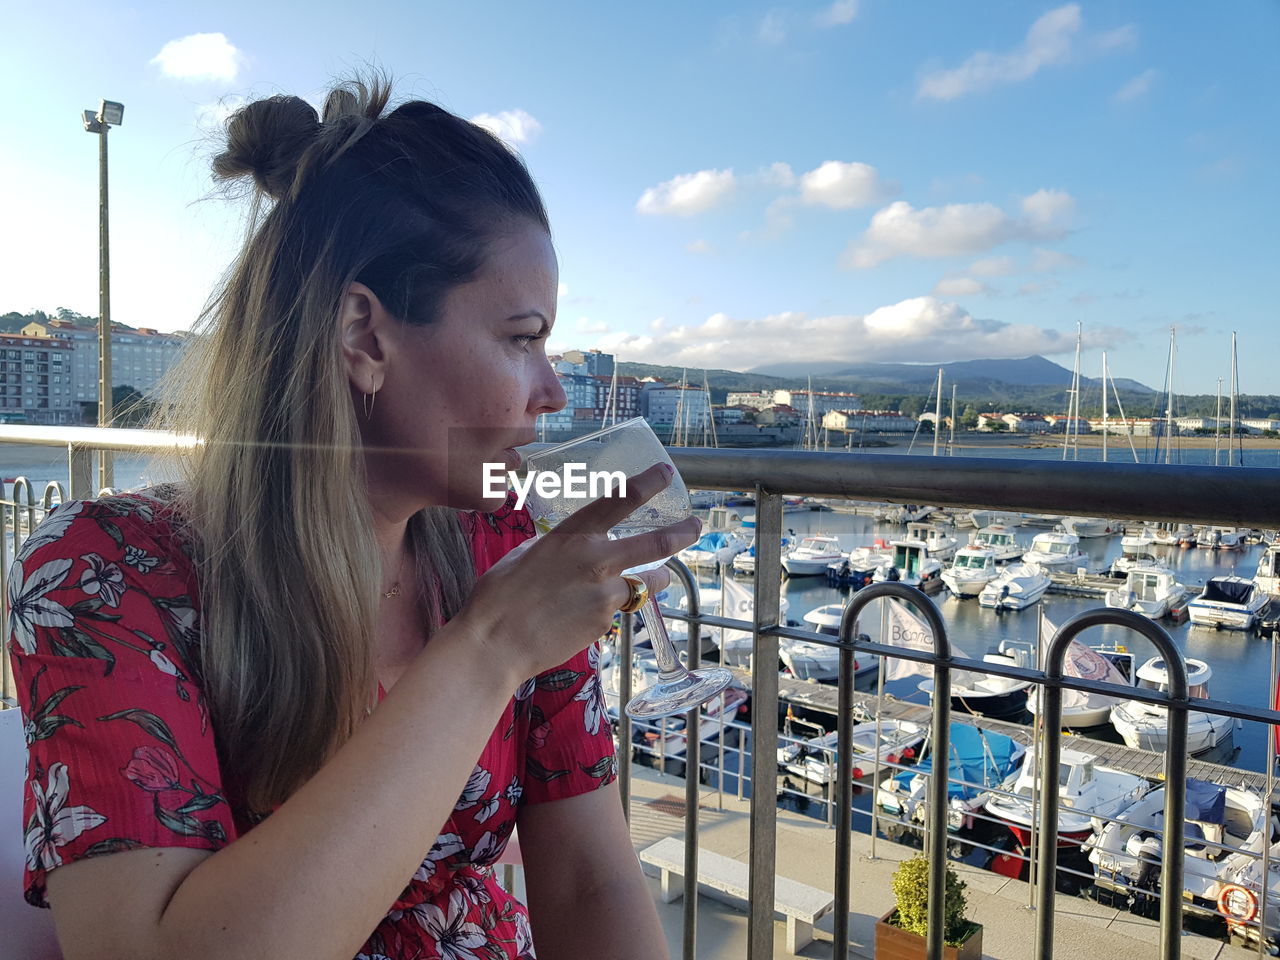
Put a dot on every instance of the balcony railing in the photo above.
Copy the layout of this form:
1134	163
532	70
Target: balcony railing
1228	496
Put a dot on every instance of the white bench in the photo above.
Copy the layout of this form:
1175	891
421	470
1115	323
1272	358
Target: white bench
800	903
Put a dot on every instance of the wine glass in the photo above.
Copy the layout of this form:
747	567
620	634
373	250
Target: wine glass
627	448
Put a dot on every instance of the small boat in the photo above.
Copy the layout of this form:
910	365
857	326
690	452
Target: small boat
1151	590
671	733
1167	535
1134	551
1223	827
1187	536
1109	664
1056	551
905	513
818	661
912	566
992	518
978	760
712	549
999	539
1267	577
1017	587
972	569
1084	527
812	556
1146	726
745	562
1001	698
1085	790
1227	602
814	759
859	567
938	540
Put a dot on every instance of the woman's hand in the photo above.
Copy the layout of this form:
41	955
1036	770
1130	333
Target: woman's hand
550	597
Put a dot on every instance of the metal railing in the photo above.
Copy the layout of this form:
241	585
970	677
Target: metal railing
1236	496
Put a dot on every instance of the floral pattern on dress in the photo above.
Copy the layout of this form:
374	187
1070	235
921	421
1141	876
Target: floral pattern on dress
104	635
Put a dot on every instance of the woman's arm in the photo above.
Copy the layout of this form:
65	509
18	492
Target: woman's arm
587	895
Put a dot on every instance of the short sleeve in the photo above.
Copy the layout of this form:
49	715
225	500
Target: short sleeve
102	636
569	749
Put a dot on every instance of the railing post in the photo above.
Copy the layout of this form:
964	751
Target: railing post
80	471
940	752
622	670
692	763
1175	777
764	725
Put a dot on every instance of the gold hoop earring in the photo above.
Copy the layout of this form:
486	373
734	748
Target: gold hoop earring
369	400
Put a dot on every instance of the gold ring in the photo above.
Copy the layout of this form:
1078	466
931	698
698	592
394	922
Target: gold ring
639	593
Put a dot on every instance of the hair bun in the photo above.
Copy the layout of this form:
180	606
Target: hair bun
266	139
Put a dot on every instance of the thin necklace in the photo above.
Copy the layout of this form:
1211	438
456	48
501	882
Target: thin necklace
395	587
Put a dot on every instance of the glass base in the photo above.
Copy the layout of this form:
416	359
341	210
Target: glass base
667	698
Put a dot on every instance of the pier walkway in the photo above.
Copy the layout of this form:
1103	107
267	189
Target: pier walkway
1084	929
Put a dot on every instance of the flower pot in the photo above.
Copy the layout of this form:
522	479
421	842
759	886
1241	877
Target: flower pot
894	943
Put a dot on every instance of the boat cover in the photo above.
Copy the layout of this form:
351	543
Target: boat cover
1222	590
1206	802
977	756
711	542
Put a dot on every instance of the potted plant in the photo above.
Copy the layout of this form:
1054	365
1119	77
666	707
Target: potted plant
900	933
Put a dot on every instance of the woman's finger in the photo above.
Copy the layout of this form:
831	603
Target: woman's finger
656	544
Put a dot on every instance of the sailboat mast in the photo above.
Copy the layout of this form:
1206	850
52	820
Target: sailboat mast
951	440
1168	403
1104	406
1217	424
1235	388
1073	405
937	414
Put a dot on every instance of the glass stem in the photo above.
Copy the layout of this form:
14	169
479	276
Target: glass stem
669	667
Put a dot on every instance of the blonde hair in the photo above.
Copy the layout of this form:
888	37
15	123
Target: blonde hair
275	501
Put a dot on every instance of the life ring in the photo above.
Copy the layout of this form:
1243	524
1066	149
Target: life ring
1238	904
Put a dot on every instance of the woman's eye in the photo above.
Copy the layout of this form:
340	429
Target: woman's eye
525	339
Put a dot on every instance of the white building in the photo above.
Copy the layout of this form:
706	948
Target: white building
139	358
671	409
871	421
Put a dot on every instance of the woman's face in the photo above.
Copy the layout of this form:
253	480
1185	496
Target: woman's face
463	391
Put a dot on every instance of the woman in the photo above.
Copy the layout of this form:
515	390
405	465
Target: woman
264	692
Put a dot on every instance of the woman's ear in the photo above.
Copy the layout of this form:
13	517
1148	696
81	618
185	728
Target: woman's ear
363	323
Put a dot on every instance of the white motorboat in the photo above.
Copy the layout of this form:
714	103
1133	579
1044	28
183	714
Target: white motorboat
713	548
1134	551
1017	587
1168	535
1232	603
972	569
1085	790
814	759
938	540
1267	577
1224	827
905	513
1084	527
1000	698
818	661
745	562
812	556
1108	664
1056	551
1151	590
999	539
911	565
1146	726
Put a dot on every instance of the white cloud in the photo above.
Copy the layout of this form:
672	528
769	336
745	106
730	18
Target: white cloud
959	287
200	56
772	29
838	14
1121	38
688	193
1136	88
516	127
585	325
700	247
1048	42
562	290
777	175
844	186
992	267
917	329
957	229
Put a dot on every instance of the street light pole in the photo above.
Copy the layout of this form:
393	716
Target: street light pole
109	112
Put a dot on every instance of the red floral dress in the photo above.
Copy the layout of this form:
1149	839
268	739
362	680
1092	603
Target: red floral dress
104	633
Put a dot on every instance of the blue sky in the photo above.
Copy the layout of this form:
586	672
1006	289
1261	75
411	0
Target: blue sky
729	185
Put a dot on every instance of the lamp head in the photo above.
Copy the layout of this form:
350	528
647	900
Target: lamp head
91	123
111	113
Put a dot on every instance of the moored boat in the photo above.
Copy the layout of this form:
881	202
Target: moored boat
972	569
1228	602
1056	552
1017	587
812	556
1151	590
1146	725
999	539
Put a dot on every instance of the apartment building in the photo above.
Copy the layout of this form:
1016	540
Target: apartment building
139	358
36	381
